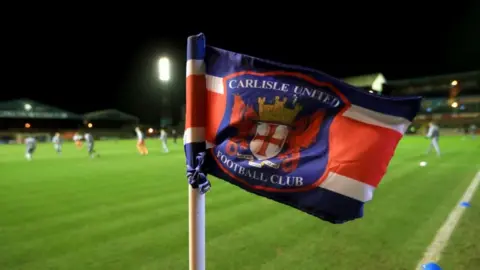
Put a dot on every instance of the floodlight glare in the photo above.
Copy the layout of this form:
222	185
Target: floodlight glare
164	69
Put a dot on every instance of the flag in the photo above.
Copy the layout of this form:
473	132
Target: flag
288	133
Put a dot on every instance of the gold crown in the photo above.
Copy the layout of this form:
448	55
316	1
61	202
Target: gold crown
277	112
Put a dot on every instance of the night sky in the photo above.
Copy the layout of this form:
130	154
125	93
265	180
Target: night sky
89	62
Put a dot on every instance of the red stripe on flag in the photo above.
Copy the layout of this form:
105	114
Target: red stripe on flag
196	95
360	151
216	104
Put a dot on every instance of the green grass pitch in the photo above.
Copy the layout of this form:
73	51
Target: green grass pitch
125	211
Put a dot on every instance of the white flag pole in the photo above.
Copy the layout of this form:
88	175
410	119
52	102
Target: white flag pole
196	229
195	133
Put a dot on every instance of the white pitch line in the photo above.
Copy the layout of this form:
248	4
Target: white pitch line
443	234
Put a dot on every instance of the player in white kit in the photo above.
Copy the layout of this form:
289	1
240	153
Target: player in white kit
90	145
141	147
433	134
31	145
57	143
163	138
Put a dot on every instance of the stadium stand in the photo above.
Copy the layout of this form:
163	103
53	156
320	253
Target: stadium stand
451	100
22	117
436	86
25	117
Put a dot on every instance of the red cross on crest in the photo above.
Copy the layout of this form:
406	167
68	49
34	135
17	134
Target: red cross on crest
269	140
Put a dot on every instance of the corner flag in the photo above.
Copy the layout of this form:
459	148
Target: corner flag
291	134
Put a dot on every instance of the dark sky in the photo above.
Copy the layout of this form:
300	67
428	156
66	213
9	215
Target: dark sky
89	61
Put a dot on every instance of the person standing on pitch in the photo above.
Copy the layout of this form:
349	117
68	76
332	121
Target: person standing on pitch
473	130
77	138
31	145
57	143
163	138
174	135
90	145
433	134
142	149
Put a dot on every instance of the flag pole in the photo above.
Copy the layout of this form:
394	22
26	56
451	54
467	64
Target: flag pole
196	229
194	140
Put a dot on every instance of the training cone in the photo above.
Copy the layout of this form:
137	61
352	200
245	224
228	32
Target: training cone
431	266
465	204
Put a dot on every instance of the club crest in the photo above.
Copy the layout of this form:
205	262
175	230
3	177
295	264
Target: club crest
274	132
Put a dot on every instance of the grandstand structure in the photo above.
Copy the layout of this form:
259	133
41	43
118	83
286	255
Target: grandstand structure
466	83
24	117
451	100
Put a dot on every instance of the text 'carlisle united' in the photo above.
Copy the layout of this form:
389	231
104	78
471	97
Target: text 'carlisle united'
313	92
